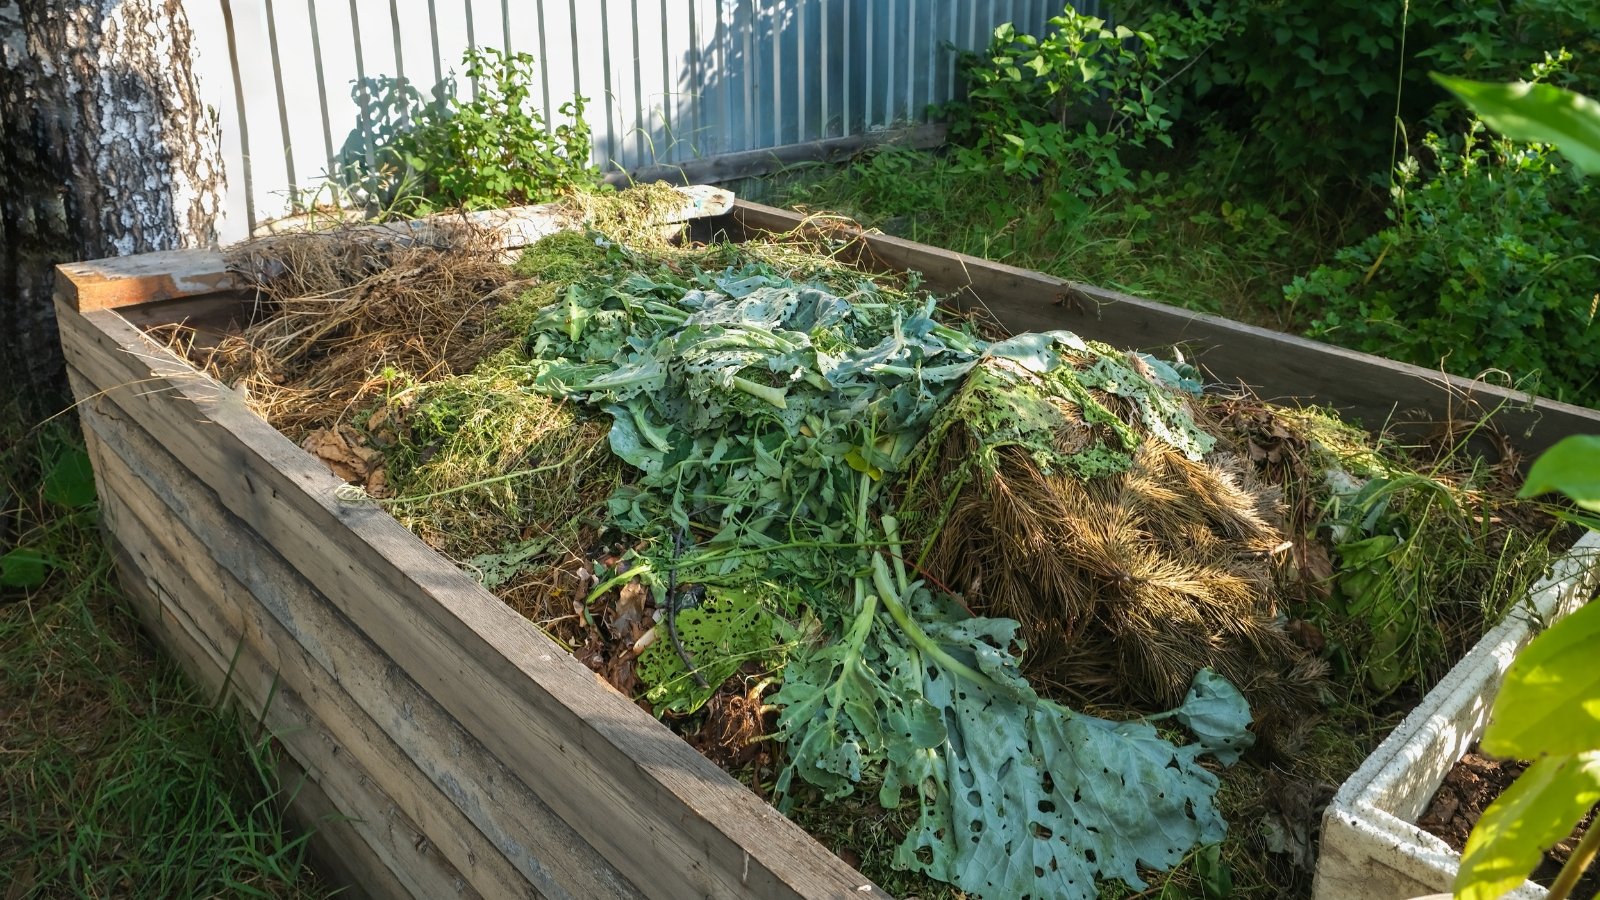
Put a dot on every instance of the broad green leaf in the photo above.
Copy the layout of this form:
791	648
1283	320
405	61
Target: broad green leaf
718	635
24	567
1524	111
70	480
1550	702
1571	467
1099	799
1541	808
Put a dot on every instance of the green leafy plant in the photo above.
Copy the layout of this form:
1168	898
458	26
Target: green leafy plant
493	148
1064	106
1548	709
1488	263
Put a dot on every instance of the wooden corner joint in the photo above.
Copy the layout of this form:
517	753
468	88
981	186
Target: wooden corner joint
130	280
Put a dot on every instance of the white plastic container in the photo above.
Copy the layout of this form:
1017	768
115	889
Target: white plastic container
1372	848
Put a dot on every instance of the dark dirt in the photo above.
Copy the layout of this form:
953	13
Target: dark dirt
1469	787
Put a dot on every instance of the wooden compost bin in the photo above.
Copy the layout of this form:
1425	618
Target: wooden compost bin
448	747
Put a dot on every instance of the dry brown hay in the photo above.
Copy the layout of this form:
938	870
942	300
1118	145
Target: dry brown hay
337	309
1126	584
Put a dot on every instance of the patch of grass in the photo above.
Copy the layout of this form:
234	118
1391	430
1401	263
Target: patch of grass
1205	232
117	776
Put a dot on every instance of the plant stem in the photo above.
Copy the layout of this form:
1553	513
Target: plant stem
1581	856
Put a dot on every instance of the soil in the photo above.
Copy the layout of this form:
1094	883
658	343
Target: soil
1469	787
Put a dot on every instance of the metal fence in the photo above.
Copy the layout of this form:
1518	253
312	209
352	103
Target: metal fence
300	84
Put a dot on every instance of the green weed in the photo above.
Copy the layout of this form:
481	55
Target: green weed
1201	235
117	777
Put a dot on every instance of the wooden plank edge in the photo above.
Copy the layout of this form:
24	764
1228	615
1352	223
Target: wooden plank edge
1276	365
272	671
208	628
367	686
336	851
752	163
661	812
121	281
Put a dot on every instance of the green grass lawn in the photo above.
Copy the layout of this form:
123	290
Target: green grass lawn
118	777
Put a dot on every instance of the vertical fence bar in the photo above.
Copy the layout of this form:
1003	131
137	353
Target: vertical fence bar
283	106
867	73
572	20
892	36
775	18
544	70
640	121
472	44
244	120
605	60
399	53
722	40
322	88
954	36
749	78
824	13
363	98
433	32
693	92
848	53
911	60
801	40
668	94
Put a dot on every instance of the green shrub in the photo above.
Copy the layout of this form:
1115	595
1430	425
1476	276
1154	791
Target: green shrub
1063	107
1324	80
1487	263
493	149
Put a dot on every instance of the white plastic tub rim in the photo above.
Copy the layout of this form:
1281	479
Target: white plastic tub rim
1371	847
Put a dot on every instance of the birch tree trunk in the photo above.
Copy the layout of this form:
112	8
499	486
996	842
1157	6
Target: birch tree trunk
105	150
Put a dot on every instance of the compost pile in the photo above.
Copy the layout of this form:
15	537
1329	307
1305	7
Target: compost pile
764	493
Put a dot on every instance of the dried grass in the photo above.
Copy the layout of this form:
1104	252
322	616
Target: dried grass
1127	584
336	310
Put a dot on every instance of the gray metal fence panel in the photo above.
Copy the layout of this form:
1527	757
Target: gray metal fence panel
667	80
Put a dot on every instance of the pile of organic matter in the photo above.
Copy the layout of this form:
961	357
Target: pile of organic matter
854	548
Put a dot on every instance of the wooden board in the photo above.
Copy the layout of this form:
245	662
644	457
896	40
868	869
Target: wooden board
753	163
169	275
339	852
1368	389
671	822
157	509
461	798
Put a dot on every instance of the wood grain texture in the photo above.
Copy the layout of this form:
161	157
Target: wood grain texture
1368	389
672	822
420	820
463	801
339	852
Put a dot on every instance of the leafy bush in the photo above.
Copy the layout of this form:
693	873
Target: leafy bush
1063	106
1324	80
1487	263
490	150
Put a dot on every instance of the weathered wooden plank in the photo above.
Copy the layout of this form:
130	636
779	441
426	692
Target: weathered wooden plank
330	664
1369	389
231	615
753	163
673	823
172	274
340	854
